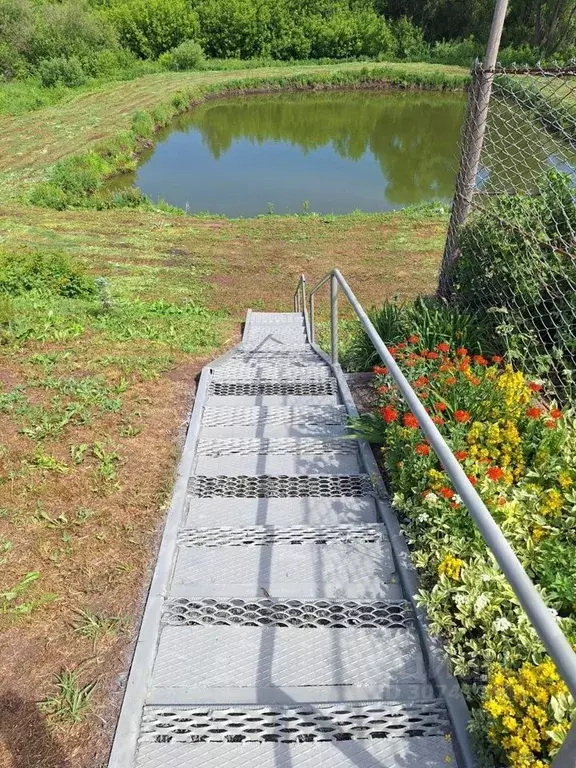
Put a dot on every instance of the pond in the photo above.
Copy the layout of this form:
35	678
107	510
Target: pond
330	152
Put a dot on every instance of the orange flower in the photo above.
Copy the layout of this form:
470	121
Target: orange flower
413	339
464	365
422	449
451	380
421	382
438	420
461	455
535	387
495	473
556	413
474	380
551	424
497	359
393	351
389	414
440	406
380	371
462	416
410	420
401	345
454	504
432	355
383	389
534	412
480	360
448	493
461	351
443	347
472	479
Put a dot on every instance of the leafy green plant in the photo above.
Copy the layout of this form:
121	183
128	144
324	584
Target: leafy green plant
70	702
186	56
61	71
431	320
17	602
27	270
96	626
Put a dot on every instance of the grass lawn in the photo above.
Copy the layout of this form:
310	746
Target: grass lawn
94	396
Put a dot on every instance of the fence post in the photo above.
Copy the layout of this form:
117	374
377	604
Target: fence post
472	140
334	318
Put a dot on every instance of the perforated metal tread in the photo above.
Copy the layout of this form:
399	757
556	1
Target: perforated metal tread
285	430
270	657
270	371
308	614
296	724
281	486
355	569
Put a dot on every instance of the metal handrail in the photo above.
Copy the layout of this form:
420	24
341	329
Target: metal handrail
540	616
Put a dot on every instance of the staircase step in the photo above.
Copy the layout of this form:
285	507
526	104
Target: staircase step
415	752
271	372
280	512
276	464
280	486
218	414
285	430
356	569
269	657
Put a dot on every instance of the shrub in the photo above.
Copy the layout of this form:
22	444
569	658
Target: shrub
187	55
66	30
229	28
61	71
349	34
514	273
16	20
453	52
23	271
151	27
409	41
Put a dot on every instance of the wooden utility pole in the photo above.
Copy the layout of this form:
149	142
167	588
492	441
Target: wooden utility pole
472	140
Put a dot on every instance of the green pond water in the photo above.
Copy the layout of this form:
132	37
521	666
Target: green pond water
337	152
323	152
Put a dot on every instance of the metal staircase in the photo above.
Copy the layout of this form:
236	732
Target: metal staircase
280	629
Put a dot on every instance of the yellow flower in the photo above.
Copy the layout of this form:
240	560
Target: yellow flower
564	479
451	567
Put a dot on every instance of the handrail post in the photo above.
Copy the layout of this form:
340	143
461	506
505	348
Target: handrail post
312	327
334	318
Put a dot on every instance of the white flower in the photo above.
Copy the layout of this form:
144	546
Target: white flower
431	498
501	624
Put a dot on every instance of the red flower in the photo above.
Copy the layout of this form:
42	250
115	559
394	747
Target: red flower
497	359
432	355
464	365
401	345
448	493
380	371
556	413
551	424
389	414
462	416
393	351
451	380
480	360
383	389
440	406
421	382
534	387
443	347
495	473
438	420
410	420
461	351
534	412
474	380
413	339
461	455
422	449
472	479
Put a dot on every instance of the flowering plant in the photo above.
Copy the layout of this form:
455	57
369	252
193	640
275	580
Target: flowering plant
519	451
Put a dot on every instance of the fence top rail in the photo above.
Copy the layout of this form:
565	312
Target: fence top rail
534	606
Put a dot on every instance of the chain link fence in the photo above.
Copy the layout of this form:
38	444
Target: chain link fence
510	255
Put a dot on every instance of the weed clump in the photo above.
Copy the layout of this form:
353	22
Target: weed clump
52	272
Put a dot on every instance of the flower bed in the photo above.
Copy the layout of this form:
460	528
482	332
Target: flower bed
520	453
